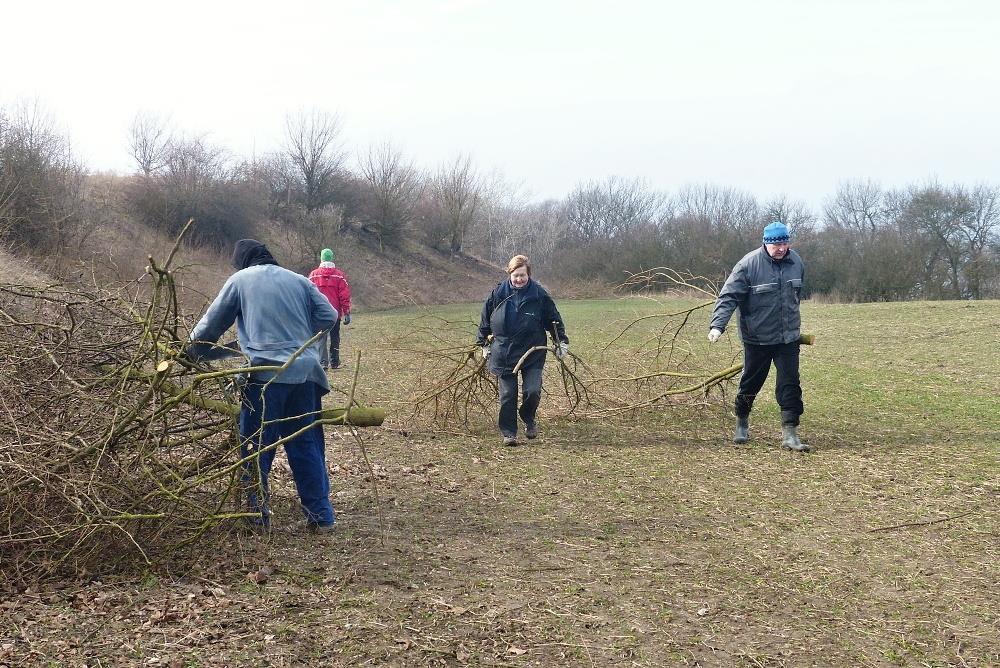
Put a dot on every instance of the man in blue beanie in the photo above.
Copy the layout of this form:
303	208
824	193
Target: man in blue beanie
766	285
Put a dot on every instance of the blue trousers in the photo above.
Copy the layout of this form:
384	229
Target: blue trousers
263	423
531	396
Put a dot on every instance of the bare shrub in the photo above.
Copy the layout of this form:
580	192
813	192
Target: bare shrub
41	183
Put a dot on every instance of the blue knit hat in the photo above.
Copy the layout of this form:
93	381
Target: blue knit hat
776	233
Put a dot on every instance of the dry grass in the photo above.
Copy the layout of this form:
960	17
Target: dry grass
14	270
644	541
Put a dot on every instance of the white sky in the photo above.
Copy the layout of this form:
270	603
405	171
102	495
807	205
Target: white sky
769	96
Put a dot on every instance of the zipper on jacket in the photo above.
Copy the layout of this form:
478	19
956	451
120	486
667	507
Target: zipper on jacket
781	305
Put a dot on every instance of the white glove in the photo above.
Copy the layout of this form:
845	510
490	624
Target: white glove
714	335
486	352
561	350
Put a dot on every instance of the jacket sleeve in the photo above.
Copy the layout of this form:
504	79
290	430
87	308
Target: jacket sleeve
553	319
484	321
345	296
733	293
322	315
219	317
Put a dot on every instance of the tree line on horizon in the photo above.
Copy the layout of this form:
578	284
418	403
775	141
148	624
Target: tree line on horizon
924	241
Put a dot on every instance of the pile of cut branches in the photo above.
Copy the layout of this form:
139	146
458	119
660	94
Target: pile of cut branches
113	445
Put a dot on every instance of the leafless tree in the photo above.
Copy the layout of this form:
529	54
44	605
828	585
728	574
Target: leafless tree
316	153
8	179
611	207
793	213
200	180
860	206
501	228
717	208
394	189
457	193
193	163
41	182
981	232
939	214
149	143
705	228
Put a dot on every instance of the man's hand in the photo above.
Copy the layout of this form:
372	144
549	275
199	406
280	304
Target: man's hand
486	352
347	318
561	350
714	334
204	351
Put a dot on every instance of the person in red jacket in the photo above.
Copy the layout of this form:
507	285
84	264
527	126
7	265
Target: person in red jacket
333	284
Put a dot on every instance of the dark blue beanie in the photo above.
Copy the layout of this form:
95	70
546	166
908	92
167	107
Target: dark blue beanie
775	233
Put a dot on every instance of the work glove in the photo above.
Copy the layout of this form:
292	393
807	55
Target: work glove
203	351
714	334
486	352
561	350
347	318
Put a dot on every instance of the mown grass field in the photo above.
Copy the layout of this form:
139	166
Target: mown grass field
646	539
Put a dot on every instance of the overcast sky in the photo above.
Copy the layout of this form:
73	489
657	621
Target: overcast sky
769	96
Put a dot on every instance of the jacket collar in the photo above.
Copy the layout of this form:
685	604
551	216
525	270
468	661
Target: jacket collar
506	288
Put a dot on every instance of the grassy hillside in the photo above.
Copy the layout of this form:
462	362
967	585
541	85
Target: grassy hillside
16	271
381	278
642	539
393	277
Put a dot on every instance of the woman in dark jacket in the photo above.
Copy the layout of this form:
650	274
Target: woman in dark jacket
518	314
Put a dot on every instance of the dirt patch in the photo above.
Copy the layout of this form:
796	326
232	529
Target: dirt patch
568	552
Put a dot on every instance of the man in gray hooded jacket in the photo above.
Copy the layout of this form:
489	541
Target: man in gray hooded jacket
766	285
276	312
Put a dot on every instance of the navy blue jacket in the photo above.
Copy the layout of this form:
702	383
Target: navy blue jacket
518	320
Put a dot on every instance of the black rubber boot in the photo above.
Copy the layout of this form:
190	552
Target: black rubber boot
742	434
790	440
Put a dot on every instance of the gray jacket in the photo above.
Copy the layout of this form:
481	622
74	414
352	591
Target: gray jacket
276	311
767	292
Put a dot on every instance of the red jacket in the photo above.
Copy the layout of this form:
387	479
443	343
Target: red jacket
333	284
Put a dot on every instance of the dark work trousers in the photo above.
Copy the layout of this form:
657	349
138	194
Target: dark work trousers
531	395
756	365
330	357
306	452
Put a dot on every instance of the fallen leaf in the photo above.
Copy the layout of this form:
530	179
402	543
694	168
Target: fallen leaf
259	576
